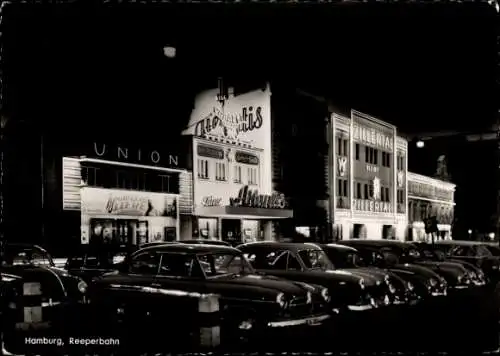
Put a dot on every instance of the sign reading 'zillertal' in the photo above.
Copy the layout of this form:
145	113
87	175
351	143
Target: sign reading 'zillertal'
252	199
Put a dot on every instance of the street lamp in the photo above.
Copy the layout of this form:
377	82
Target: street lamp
420	144
470	233
169	51
491	235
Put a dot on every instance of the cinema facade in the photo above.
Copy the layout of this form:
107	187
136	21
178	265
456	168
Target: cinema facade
370	178
232	197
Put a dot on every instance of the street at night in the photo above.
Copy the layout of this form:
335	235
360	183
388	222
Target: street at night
249	178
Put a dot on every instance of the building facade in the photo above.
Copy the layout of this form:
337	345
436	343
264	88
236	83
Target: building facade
232	195
368	184
120	194
429	197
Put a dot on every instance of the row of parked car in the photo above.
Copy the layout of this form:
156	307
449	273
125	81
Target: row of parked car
348	295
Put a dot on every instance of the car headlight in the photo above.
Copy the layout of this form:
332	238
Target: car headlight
392	289
281	300
410	286
82	286
362	283
309	298
326	295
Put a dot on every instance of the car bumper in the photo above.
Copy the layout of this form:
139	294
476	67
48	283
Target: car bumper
310	321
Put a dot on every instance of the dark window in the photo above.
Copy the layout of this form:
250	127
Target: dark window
293	263
346	151
357	151
367	154
375	156
145	263
345	190
367	196
358	191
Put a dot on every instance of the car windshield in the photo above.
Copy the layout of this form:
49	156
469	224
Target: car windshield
223	264
26	255
315	259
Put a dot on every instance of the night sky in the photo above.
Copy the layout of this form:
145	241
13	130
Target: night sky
420	67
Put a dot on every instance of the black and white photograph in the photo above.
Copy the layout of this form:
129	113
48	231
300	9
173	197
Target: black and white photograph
242	176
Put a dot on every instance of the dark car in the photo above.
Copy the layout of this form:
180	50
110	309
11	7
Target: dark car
432	252
160	280
477	253
425	280
348	258
60	291
308	263
88	264
455	274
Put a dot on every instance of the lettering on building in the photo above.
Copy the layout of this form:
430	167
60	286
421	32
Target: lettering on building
210	152
372	137
128	205
134	155
211	201
372	206
372	169
230	125
246	158
252	199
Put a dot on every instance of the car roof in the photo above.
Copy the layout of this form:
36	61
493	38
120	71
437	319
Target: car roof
292	246
189	249
24	245
339	247
459	243
394	243
205	241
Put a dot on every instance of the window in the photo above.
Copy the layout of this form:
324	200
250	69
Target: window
367	196
315	259
220	171
203	168
400	162
342	147
252	176
386	159
276	260
359	194
357	151
384	194
401	197
342	190
164	183
145	263
293	263
90	176
237	174
223	264
179	265
371	155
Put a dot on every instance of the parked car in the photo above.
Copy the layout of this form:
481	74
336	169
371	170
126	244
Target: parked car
427	283
308	263
61	293
474	252
88	264
455	274
158	281
432	252
348	258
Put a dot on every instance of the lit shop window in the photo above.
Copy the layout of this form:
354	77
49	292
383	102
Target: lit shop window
237	174
342	190
371	155
203	168
252	176
342	145
386	159
220	171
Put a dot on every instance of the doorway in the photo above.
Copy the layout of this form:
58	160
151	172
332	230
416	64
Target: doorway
231	231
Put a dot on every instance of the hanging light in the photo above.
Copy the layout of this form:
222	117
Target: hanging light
420	144
169	51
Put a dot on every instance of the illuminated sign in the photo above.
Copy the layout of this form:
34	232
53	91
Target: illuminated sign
372	137
372	206
210	152
252	199
134	155
211	201
245	158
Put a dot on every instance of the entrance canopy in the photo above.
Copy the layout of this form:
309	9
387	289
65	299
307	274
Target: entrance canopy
243	212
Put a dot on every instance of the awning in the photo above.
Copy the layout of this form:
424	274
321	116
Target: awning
242	212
